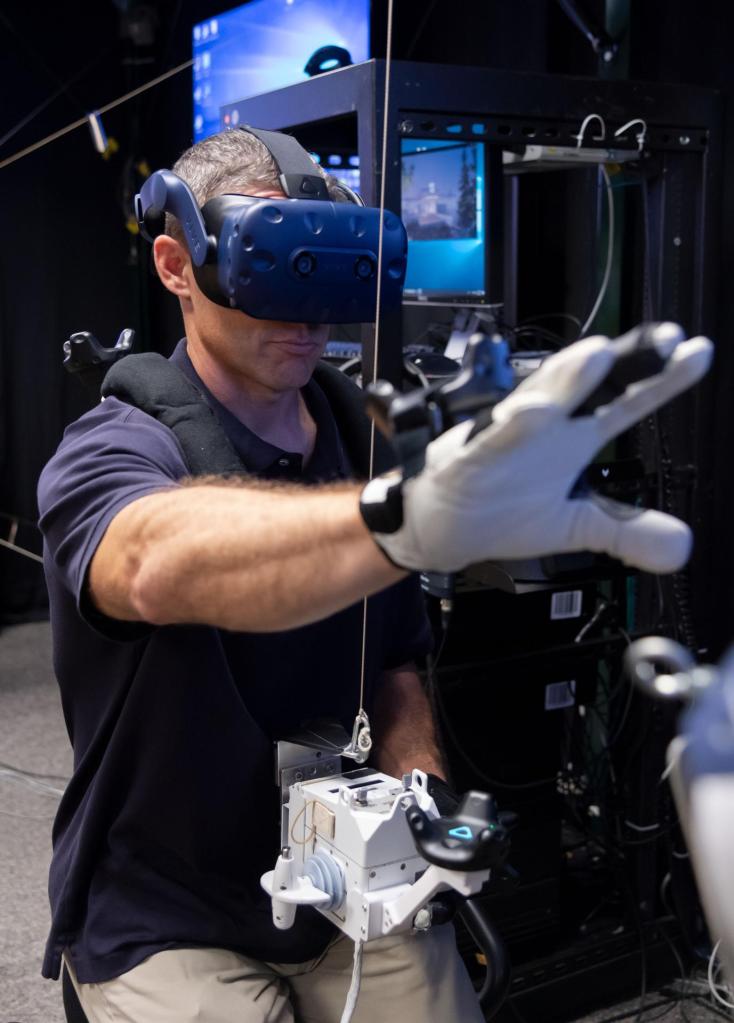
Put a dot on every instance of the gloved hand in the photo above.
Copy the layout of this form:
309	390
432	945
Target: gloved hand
507	491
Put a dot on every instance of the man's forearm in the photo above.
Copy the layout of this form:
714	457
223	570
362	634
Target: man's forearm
403	726
249	556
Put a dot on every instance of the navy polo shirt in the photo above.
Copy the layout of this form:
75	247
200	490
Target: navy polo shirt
172	812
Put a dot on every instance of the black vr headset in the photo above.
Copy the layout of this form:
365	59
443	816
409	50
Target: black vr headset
304	259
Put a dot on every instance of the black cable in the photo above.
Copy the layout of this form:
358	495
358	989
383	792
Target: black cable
649	304
548	336
676	955
33	114
623	719
679	580
439	709
515	1011
551	316
704	1003
498	972
151	110
636	1014
419	31
493	783
40	62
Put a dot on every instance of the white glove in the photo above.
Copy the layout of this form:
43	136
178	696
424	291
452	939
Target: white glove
505	492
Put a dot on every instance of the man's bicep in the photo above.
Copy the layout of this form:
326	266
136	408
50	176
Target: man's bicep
104	467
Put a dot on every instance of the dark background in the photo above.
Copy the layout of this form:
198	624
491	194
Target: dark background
68	261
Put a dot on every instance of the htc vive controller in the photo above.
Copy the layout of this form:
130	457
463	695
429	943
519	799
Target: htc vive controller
303	259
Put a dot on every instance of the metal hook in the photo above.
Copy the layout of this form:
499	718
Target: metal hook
360	745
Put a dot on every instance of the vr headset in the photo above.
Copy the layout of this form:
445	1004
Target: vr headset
304	259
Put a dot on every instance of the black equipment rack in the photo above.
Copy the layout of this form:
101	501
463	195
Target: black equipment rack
674	279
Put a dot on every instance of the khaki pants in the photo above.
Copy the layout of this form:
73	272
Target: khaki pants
406	979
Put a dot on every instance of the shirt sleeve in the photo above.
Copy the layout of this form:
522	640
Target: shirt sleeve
109	458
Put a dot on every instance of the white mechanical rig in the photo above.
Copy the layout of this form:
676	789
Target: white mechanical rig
369	851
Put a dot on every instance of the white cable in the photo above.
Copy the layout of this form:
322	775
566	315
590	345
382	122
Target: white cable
102	110
713	988
21	550
33	783
585	124
640	136
26	817
610	254
378	302
354	986
674	762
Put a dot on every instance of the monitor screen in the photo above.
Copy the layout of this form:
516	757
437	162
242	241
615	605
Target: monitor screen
266	44
443	208
343	165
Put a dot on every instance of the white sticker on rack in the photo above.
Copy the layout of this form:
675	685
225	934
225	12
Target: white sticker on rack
560	694
566	604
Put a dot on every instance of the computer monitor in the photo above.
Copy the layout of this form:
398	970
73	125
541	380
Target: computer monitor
444	210
266	44
343	165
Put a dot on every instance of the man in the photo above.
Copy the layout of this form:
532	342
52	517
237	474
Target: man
194	622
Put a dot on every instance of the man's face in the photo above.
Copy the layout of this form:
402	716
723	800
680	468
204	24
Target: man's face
266	354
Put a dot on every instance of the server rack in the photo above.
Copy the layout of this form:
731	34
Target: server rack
670	246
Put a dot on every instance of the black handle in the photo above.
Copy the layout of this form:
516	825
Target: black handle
87	358
475	838
497	978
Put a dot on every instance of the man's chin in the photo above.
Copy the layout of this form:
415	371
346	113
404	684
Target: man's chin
296	371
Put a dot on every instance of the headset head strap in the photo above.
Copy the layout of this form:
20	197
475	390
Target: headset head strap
295	166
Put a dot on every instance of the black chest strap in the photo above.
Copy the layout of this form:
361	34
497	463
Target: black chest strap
156	386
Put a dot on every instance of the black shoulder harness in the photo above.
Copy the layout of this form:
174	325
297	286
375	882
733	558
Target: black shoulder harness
158	387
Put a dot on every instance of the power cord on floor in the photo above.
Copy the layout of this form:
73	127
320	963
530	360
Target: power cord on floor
31	779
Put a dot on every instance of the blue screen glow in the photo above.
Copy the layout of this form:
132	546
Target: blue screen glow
264	45
443	196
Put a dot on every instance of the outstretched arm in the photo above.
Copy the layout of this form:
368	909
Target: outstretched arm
244	555
262	558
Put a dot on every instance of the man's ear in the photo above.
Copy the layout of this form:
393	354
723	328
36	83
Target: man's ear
173	264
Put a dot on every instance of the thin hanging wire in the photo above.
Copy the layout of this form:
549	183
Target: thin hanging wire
63	88
21	550
102	110
378	298
9	541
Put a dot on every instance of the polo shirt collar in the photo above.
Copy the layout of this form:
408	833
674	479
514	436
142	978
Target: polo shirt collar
328	460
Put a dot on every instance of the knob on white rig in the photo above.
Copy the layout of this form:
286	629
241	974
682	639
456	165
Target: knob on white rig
284	913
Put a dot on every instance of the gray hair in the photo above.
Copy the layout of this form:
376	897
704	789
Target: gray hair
231	161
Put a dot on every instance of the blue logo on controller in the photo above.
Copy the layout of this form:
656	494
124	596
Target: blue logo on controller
462	832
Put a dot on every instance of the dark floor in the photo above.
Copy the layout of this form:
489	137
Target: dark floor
33	738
